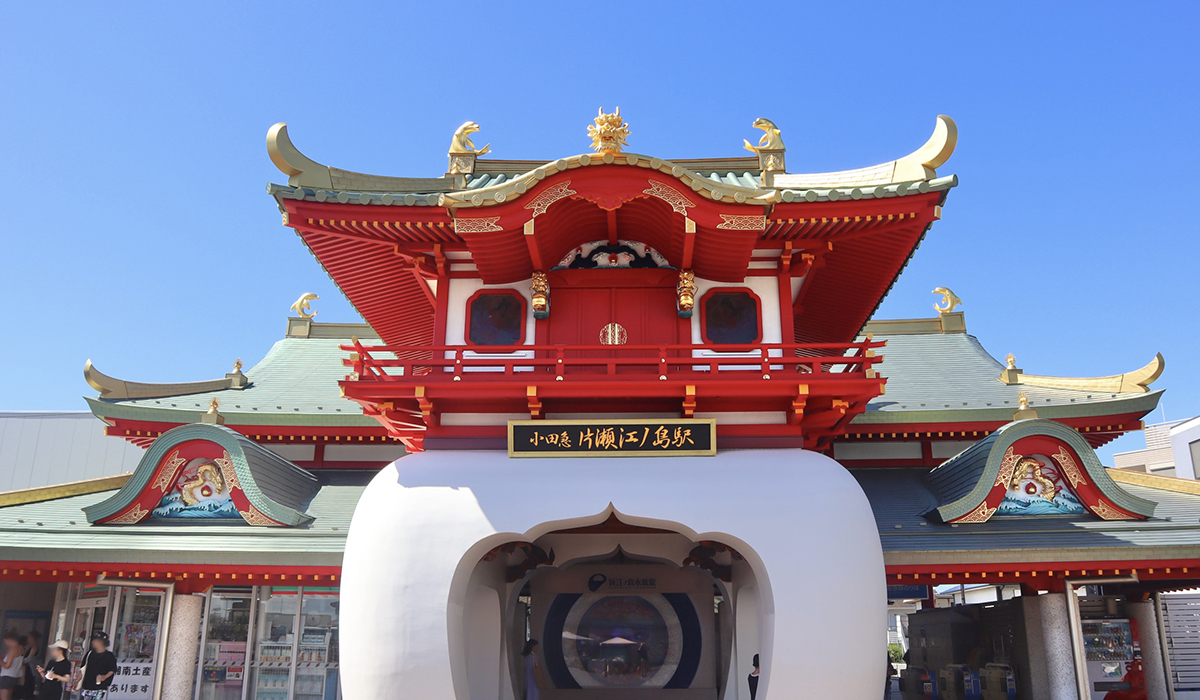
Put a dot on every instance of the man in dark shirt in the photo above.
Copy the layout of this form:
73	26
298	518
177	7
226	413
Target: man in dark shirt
99	667
58	673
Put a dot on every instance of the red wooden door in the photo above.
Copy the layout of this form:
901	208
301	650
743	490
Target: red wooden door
642	302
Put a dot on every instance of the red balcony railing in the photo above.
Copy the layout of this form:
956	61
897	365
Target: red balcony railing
472	363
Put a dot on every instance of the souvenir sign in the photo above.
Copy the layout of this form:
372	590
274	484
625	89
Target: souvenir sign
612	438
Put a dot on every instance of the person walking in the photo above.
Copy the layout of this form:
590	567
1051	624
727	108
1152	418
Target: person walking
11	666
532	669
56	673
33	656
99	666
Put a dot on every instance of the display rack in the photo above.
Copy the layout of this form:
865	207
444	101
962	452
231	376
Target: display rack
312	663
274	669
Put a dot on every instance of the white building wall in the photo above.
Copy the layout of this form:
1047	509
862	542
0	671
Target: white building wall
1185	447
798	517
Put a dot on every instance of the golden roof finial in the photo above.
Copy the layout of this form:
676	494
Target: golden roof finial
949	300
237	365
1010	361
771	140
212	405
461	142
1023	402
609	132
301	307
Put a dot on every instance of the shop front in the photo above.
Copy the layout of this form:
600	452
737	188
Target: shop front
255	642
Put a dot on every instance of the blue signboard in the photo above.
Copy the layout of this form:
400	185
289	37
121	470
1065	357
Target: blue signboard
908	592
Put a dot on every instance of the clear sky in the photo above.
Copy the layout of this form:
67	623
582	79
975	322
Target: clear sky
136	230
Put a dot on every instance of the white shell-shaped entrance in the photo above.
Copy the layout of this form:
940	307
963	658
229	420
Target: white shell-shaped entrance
415	619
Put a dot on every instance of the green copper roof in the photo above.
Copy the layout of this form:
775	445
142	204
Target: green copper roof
58	531
295	384
900	498
934	377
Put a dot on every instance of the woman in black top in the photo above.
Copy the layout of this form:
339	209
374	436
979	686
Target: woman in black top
58	673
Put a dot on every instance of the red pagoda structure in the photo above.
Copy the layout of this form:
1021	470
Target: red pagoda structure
615	387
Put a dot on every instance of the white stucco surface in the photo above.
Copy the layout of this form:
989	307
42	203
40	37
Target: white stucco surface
798	517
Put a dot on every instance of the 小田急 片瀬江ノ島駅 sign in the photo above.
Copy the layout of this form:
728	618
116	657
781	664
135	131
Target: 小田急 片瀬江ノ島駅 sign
673	437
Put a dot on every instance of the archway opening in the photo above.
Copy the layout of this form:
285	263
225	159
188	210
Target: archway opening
619	610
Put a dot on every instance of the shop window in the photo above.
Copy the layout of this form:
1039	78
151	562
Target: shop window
731	316
275	634
224	658
496	317
295	645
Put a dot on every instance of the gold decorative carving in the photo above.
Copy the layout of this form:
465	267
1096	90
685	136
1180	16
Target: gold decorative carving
670	195
206	473
613	334
540	295
1070	469
742	222
771	140
685	292
980	515
1022	402
949	300
477	225
1010	361
609	132
1033	469
549	196
129	517
1007	465
1107	512
228	471
167	476
461	142
254	517
301	307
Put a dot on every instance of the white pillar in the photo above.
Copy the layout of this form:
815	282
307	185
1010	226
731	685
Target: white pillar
183	642
1142	613
1056	639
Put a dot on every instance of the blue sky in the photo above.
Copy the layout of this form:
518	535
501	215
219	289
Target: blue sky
137	231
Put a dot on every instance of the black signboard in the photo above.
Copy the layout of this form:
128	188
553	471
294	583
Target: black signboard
675	437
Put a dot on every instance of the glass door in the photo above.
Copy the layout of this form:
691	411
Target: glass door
135	642
271	670
317	657
227	631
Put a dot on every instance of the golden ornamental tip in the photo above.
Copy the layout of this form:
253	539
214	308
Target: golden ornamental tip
237	365
1023	401
212	405
609	132
1011	361
301	307
771	140
461	141
949	300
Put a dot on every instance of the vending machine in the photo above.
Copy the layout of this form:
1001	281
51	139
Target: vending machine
1114	659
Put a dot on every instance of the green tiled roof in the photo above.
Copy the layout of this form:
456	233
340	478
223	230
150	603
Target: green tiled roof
58	531
900	498
935	377
295	384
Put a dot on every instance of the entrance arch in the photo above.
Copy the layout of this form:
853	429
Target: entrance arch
621	606
424	523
